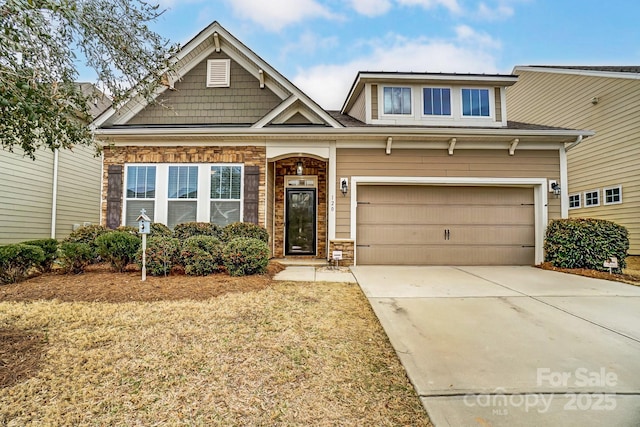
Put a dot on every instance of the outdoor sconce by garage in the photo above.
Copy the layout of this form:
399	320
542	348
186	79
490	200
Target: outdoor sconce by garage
556	188
344	186
299	168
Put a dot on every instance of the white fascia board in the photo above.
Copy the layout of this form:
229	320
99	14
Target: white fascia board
462	78
577	72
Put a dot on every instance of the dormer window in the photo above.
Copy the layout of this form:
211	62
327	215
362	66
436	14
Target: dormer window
397	100
436	101
475	102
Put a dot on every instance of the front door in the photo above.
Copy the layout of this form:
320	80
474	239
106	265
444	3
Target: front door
300	235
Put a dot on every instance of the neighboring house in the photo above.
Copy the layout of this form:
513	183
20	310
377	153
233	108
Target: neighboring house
604	174
52	195
416	168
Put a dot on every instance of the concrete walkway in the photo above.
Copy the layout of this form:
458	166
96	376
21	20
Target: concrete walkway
512	346
295	273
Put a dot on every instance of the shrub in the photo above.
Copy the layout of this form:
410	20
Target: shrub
50	249
162	254
88	234
17	260
188	229
244	256
74	257
160	230
128	229
119	248
202	255
585	243
244	229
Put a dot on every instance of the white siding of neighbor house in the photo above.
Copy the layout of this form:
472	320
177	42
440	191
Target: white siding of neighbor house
26	193
611	157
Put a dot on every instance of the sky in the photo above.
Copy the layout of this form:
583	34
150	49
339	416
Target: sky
320	45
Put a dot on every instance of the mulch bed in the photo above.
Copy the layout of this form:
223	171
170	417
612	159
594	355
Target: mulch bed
100	284
625	278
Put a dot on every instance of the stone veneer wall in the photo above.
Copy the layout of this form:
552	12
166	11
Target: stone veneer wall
249	155
311	167
346	246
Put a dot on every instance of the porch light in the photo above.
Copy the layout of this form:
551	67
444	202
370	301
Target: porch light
299	168
344	186
556	188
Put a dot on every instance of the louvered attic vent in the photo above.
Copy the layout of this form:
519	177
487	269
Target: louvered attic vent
218	72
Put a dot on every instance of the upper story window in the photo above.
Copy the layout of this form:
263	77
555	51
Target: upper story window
397	100
475	102
437	101
613	195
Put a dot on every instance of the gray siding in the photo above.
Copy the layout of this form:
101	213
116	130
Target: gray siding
79	179
25	196
193	103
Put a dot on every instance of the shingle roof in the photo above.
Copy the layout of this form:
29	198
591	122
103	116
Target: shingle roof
607	68
348	121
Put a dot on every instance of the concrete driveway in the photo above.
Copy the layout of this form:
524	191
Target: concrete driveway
512	346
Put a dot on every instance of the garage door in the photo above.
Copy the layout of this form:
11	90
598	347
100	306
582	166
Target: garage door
427	225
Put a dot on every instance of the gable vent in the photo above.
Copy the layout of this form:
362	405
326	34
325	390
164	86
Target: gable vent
218	72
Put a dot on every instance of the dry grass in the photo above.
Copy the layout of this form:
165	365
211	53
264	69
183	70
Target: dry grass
289	354
633	266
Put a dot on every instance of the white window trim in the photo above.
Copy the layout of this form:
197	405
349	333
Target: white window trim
492	104
604	195
218	72
161	201
579	201
437	116
381	89
585	199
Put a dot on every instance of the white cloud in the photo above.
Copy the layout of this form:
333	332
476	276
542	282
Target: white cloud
328	84
371	7
470	36
309	43
274	15
501	11
452	5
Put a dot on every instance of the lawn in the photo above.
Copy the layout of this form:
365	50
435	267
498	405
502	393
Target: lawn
280	353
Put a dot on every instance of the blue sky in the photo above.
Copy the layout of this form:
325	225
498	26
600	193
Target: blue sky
321	44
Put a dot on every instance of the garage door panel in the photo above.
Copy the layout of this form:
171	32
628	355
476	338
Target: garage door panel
451	255
435	234
406	225
437	214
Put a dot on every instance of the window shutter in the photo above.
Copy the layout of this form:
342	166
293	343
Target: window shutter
218	72
251	192
114	196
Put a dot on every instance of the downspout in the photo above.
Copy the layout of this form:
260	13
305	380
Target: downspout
54	201
574	143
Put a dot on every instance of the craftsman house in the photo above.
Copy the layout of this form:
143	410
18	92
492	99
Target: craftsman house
417	168
604	175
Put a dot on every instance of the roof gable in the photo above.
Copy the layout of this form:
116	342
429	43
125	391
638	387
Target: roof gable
190	104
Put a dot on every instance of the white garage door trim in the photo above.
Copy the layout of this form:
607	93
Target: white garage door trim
539	195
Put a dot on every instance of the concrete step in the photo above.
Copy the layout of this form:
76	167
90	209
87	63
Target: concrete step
302	262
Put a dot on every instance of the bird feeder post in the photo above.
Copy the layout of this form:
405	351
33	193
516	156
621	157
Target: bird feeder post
144	228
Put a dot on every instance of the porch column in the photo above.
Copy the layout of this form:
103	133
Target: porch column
331	191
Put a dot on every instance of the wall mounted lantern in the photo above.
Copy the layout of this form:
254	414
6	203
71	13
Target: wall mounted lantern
556	188
344	186
299	168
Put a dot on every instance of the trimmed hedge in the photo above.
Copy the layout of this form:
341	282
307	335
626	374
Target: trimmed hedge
75	257
245	256
162	254
88	234
50	249
17	260
189	229
244	229
158	229
585	243
119	248
202	255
